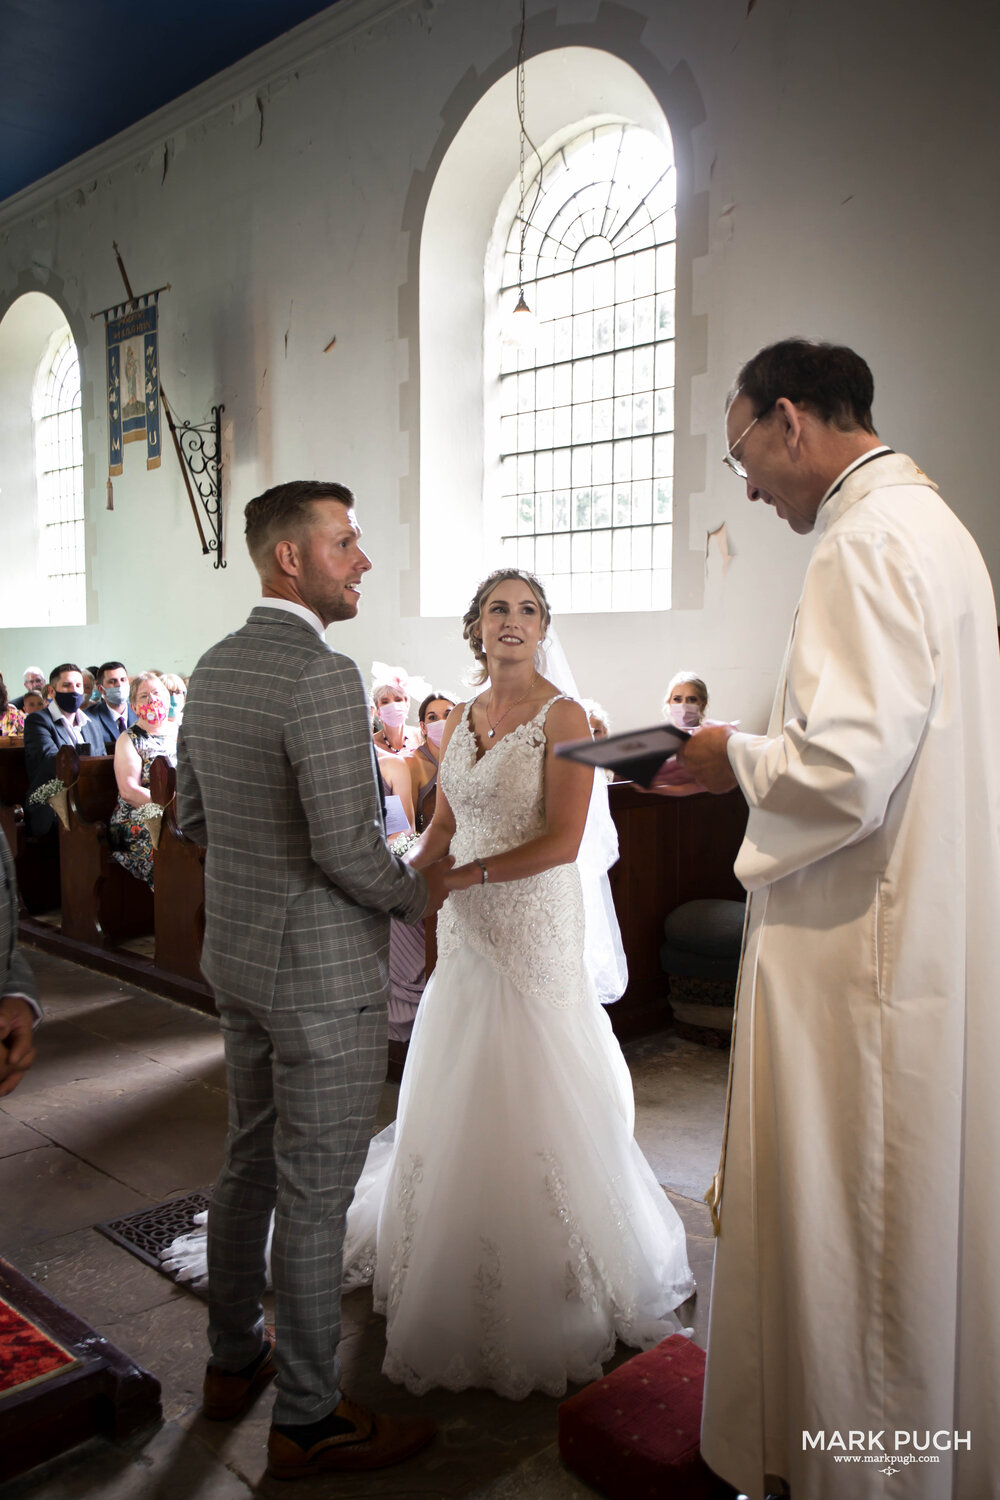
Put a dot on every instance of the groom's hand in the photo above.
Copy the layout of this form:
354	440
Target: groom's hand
17	1021
436	890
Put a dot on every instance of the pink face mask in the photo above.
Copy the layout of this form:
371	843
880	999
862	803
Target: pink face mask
685	715
152	713
393	715
434	731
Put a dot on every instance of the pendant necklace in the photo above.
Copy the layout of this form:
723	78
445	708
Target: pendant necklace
493	727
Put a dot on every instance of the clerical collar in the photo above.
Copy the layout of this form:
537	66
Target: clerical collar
859	463
304	613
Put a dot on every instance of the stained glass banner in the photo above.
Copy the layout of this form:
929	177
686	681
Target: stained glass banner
133	379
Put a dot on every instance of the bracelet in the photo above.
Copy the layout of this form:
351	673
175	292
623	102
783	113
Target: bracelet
482	865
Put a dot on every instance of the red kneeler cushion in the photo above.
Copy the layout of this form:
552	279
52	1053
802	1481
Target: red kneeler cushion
634	1433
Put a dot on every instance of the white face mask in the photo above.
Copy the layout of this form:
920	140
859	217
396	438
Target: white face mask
393	715
434	731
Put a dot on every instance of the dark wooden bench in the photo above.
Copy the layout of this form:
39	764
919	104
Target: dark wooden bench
672	850
36	860
102	904
179	876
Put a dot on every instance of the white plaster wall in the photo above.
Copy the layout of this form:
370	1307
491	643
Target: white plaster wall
847	154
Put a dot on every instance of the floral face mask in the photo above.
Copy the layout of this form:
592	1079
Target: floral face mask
154	712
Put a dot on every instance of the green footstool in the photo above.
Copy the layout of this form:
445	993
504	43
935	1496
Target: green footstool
701	958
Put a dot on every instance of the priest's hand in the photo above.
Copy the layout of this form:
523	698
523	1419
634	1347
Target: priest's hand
671	780
705	759
17	1022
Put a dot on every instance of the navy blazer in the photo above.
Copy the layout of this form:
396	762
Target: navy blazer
43	739
101	714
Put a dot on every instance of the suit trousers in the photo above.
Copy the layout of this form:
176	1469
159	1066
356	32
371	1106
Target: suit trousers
304	1084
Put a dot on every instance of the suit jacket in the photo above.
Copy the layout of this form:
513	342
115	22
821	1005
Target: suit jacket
15	976
43	738
276	776
101	714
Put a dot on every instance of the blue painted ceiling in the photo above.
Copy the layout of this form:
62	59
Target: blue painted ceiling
73	73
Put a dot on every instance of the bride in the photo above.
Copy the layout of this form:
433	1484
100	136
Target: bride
509	1225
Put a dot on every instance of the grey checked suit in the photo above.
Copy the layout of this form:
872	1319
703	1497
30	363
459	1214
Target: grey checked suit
15	976
276	776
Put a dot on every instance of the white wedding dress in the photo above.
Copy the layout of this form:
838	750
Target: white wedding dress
510	1226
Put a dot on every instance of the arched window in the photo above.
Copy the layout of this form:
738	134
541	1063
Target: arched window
586	407
59	458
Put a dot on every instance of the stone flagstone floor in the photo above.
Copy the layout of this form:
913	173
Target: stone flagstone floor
125	1107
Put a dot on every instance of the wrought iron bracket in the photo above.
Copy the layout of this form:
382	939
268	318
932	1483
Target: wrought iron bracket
201	449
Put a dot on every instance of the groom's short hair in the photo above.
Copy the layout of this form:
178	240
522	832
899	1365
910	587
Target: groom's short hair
286	511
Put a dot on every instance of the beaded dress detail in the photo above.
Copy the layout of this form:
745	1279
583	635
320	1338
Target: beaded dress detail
530	930
510	1227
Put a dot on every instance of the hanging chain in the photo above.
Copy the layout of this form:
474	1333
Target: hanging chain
523	133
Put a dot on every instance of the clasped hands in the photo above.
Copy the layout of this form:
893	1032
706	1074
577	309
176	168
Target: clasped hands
443	876
17	1052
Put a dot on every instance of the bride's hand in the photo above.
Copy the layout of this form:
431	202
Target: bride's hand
461	877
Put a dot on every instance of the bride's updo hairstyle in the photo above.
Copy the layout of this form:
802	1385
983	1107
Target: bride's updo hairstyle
472	616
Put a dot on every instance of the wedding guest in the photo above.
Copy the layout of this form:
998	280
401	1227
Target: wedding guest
391	701
90	693
11	718
33	703
177	688
597	718
600	726
398	797
135	751
422	763
407	944
34	682
686	701
112	712
62	723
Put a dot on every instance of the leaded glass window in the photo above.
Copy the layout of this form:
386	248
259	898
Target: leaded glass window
587	409
59	448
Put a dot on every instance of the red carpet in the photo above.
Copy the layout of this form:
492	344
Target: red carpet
27	1355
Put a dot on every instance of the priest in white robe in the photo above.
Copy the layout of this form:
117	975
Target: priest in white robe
854	1343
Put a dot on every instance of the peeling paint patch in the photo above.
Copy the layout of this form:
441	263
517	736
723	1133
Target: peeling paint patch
260	111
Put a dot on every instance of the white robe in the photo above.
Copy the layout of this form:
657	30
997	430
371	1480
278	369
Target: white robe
856	1283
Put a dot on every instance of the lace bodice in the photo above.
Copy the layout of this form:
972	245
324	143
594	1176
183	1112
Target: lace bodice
530	930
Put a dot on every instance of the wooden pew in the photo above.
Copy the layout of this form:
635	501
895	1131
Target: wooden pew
672	850
102	904
36	860
179	878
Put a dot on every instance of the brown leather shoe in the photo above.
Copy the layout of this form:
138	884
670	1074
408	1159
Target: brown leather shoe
376	1442
226	1396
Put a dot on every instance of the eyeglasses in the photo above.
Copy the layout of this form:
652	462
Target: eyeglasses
736	464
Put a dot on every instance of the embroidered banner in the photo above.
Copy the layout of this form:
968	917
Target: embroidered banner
133	379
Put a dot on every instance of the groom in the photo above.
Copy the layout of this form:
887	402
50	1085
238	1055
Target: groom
276	776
